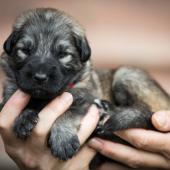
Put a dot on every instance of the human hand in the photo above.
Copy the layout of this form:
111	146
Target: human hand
151	148
33	154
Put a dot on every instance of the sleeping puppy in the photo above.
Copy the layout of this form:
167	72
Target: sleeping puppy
46	54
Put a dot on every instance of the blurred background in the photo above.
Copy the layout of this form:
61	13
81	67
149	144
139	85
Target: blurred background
124	32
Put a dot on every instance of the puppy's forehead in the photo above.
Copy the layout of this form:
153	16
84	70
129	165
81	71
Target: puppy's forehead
66	46
50	19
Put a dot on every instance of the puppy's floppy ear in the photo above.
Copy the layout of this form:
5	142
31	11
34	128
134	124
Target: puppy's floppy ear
10	42
83	47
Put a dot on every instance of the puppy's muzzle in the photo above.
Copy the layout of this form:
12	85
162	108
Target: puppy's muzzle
40	72
40	77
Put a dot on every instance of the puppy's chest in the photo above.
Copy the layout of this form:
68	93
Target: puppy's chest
105	78
99	84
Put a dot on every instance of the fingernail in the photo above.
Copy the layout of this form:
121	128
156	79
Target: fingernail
20	93
161	119
92	108
67	97
93	111
95	143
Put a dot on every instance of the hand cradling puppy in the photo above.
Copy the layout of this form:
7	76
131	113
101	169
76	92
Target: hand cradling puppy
48	53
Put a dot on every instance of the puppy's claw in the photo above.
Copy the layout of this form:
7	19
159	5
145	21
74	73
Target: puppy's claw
64	147
25	123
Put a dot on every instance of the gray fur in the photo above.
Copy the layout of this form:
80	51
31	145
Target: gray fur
36	61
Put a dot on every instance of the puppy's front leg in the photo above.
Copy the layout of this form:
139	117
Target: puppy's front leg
63	140
25	122
28	119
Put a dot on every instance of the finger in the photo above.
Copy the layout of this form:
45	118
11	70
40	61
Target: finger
128	155
81	159
161	121
12	109
51	112
146	140
88	124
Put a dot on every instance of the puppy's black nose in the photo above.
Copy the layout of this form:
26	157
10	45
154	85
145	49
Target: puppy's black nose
40	77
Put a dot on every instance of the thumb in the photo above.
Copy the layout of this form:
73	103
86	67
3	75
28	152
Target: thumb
161	121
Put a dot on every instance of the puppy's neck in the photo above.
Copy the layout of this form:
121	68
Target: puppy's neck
83	82
90	80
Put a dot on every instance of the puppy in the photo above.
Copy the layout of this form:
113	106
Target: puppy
46	54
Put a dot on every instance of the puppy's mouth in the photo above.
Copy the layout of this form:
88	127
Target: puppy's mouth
39	93
42	93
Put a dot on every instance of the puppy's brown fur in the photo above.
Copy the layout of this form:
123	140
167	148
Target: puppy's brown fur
45	53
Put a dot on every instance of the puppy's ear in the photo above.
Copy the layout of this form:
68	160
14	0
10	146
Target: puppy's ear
83	48
10	42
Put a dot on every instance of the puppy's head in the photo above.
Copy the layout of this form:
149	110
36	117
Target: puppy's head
47	50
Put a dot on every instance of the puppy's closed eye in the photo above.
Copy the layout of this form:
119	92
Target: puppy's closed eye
21	54
65	60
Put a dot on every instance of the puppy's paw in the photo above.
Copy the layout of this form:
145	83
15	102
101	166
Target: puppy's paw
24	123
64	145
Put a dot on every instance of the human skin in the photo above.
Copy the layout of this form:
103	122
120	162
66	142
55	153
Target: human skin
33	154
151	148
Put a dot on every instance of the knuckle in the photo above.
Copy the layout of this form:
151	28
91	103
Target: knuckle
134	162
29	161
38	133
106	150
4	123
3	126
141	142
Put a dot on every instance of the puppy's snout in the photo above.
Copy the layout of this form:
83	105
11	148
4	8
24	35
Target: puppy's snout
40	73
40	77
